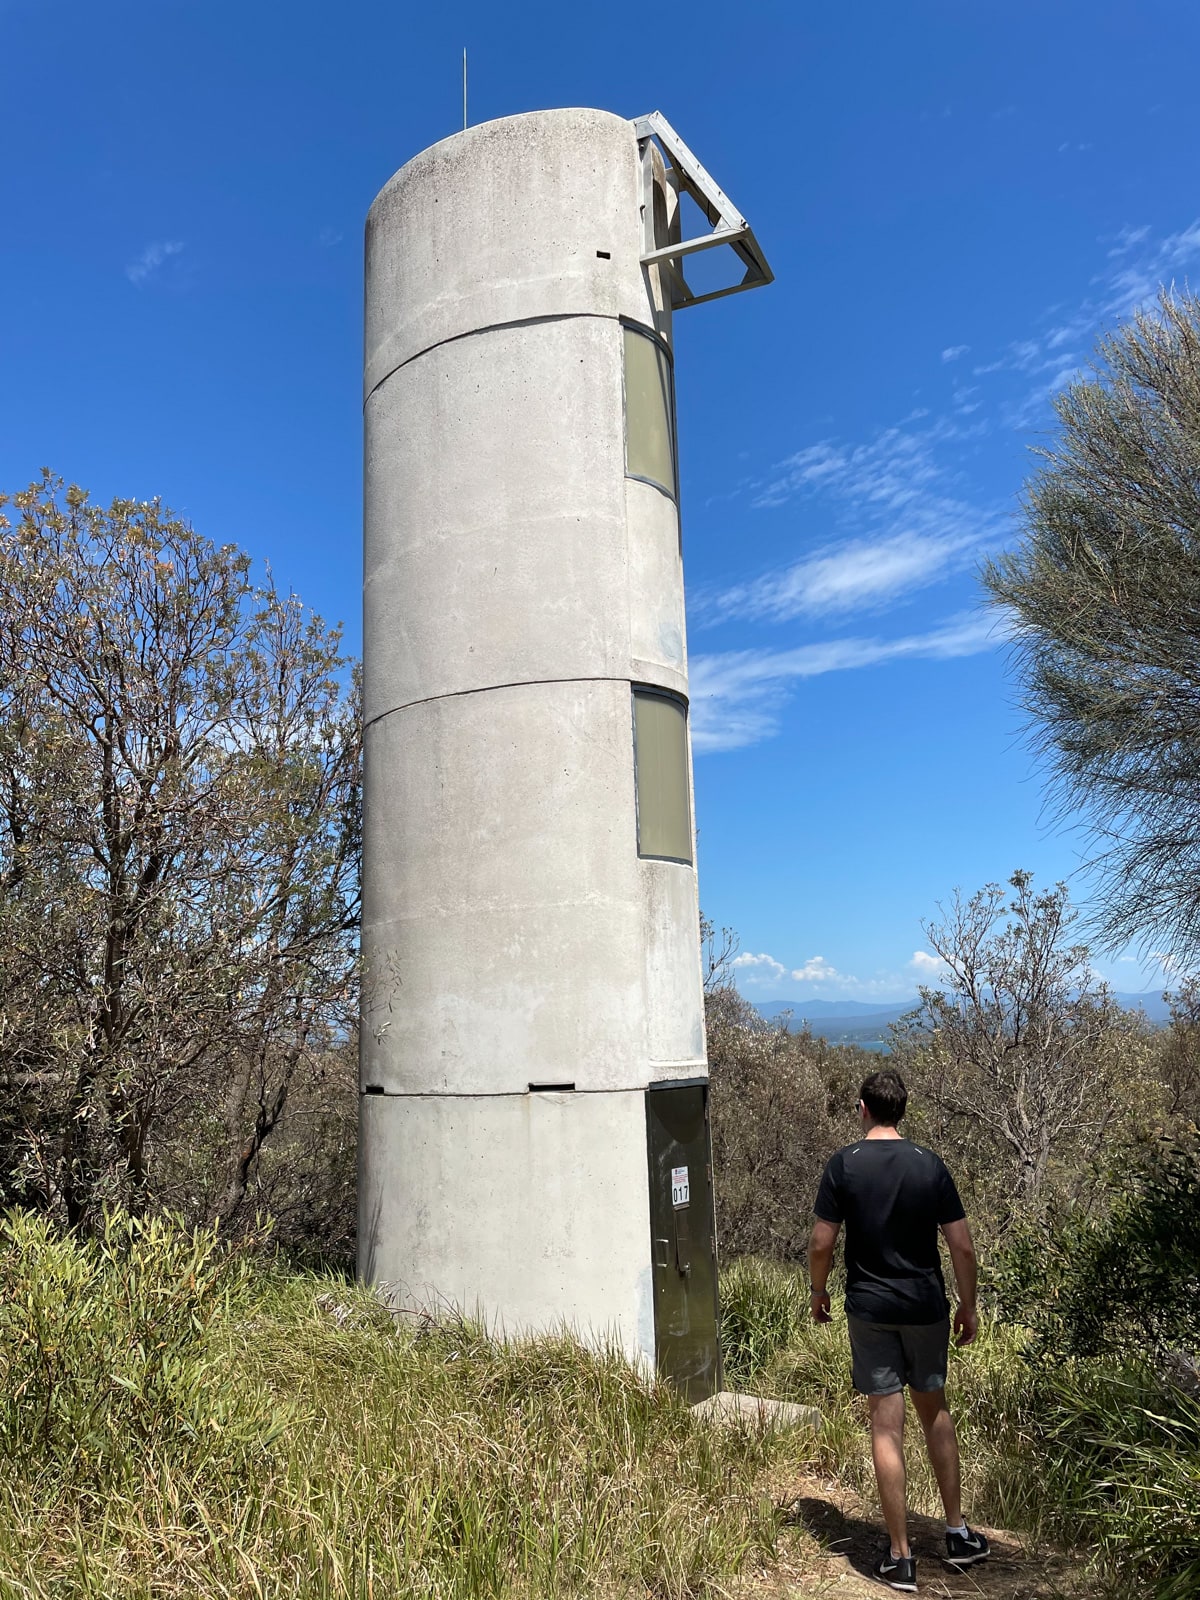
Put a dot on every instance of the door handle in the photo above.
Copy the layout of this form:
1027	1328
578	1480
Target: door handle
683	1240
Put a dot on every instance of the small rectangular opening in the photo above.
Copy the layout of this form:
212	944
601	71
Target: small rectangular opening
604	255
552	1088
373	1088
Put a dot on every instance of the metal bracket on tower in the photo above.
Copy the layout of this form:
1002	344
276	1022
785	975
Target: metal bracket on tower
729	227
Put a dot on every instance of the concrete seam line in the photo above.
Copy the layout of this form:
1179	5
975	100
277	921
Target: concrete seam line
497	327
502	1094
490	688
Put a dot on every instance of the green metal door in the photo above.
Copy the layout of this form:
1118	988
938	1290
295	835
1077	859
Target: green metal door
684	1239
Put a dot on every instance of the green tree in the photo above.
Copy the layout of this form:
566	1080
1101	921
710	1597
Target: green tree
1104	592
179	841
1177	1057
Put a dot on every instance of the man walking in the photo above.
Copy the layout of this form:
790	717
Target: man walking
893	1196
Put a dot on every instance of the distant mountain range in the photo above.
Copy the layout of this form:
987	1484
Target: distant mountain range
833	1008
855	1022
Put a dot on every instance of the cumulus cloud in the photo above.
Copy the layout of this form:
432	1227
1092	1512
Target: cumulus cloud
765	973
151	259
759	968
926	965
763	968
817	970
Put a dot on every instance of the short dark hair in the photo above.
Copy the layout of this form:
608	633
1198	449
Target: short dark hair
885	1097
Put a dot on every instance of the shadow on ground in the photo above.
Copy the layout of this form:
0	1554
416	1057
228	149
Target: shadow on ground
1011	1573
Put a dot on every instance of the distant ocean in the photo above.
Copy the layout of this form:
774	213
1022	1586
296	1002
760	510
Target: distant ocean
867	1026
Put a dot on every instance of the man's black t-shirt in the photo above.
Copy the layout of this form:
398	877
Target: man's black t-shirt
893	1196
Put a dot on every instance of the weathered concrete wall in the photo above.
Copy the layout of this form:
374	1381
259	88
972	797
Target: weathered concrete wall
528	1211
517	585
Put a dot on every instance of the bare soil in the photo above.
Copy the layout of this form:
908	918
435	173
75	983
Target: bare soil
831	1540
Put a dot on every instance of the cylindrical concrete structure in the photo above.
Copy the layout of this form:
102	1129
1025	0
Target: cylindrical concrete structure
530	938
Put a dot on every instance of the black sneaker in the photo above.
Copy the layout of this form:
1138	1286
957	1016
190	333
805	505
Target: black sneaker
898	1572
965	1549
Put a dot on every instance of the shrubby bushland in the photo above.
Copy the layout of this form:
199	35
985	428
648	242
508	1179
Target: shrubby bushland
781	1103
1110	1302
110	1349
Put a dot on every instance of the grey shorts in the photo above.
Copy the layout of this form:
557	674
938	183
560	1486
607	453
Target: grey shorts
888	1355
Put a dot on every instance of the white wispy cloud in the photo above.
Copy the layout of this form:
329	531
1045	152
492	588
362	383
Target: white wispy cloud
889	471
861	575
899	510
1128	237
151	259
737	695
912	529
1140	265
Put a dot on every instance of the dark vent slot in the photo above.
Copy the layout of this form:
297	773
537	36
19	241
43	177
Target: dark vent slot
373	1088
605	255
551	1088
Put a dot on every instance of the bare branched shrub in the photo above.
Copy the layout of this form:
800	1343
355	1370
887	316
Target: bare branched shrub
179	841
1023	1065
782	1103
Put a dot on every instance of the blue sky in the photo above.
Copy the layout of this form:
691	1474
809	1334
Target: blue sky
954	198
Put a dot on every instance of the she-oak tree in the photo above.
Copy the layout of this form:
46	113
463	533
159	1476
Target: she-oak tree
1104	594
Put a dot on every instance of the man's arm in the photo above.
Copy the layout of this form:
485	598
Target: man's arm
820	1258
962	1254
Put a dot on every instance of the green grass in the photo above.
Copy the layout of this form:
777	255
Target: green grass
1098	1454
176	1421
179	1419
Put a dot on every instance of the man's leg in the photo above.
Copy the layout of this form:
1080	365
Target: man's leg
942	1444
887	1449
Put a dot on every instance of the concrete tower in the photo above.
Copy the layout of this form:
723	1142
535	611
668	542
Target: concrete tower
534	1137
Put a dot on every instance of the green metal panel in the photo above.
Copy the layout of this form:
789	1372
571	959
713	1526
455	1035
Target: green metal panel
684	1239
660	764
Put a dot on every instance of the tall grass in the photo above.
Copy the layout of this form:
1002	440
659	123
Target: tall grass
764	1311
174	1425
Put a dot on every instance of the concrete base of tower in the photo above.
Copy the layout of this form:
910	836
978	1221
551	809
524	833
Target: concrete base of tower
528	1211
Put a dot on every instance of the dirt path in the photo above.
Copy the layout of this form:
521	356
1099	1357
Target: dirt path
831	1540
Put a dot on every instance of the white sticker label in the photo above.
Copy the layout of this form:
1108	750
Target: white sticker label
680	1189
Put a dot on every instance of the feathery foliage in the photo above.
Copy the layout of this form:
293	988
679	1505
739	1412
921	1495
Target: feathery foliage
1105	596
